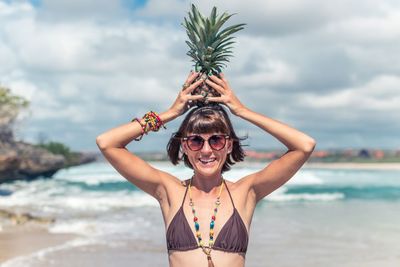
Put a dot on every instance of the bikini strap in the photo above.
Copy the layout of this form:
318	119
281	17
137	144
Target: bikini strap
229	194
183	201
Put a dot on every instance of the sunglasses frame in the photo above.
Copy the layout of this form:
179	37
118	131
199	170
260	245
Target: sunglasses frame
186	139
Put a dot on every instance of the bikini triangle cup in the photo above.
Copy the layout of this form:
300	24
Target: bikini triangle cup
232	237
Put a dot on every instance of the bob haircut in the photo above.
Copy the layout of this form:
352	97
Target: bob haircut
211	118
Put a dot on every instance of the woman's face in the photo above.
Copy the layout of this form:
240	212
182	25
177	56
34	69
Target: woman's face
207	152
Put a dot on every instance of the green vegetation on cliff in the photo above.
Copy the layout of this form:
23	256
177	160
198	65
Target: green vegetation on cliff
61	149
10	106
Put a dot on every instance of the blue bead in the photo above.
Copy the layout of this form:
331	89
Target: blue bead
197	226
212	225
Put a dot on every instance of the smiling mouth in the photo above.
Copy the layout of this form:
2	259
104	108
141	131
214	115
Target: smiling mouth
207	161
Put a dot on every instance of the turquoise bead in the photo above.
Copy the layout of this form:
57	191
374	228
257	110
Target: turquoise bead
197	226
212	225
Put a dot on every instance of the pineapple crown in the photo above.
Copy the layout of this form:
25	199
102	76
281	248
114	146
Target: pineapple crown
209	46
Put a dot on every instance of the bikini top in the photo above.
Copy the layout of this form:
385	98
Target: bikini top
232	237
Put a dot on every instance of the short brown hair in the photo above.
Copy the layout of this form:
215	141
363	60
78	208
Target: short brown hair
201	120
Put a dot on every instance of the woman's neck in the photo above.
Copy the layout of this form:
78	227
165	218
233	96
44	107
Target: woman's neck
206	184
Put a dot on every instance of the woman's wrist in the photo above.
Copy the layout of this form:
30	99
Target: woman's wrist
168	116
240	112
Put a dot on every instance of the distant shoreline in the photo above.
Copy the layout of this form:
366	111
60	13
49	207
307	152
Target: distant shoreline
353	165
333	165
312	165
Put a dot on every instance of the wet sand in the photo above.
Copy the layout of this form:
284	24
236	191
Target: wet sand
20	240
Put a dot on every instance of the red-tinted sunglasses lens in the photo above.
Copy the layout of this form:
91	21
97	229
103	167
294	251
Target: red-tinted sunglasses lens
216	142
195	142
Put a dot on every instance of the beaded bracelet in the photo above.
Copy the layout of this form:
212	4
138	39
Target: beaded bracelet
141	127
152	123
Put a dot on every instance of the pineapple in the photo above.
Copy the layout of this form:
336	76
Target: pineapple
209	46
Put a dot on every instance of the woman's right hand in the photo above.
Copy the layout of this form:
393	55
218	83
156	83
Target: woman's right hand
185	98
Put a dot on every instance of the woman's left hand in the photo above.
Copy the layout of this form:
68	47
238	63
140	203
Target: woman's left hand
227	97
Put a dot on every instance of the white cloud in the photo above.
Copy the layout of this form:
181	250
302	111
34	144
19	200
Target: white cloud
267	74
156	8
97	63
8	11
23	88
72	10
382	94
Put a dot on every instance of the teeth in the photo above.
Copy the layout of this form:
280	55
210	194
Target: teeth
207	160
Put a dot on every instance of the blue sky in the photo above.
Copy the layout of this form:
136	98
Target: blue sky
330	69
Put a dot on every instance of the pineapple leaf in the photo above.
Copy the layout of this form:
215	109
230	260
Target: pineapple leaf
207	30
194	24
231	28
224	45
221	20
230	32
192	47
218	42
209	44
213	15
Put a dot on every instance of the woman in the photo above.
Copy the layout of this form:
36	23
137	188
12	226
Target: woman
207	218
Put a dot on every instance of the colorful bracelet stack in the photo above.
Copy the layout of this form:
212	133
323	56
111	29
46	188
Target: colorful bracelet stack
152	122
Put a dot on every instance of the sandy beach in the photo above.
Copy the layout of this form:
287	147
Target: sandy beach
21	240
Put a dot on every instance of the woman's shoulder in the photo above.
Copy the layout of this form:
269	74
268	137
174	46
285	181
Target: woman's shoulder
241	184
177	185
185	183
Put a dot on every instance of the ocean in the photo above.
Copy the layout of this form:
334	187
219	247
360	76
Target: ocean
321	217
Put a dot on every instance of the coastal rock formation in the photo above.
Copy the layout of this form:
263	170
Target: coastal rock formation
20	160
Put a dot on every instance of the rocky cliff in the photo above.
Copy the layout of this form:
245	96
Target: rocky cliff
20	160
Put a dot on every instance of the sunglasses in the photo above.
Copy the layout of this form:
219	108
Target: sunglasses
216	142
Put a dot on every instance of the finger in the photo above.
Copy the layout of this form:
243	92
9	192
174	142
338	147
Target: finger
189	81
217	87
217	80
195	97
191	77
190	74
192	100
214	99
192	86
223	77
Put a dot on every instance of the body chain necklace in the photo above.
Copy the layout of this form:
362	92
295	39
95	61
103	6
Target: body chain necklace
206	249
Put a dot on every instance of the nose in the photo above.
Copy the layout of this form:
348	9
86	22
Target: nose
206	147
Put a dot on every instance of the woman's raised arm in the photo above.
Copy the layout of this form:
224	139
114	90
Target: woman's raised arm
279	171
112	145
